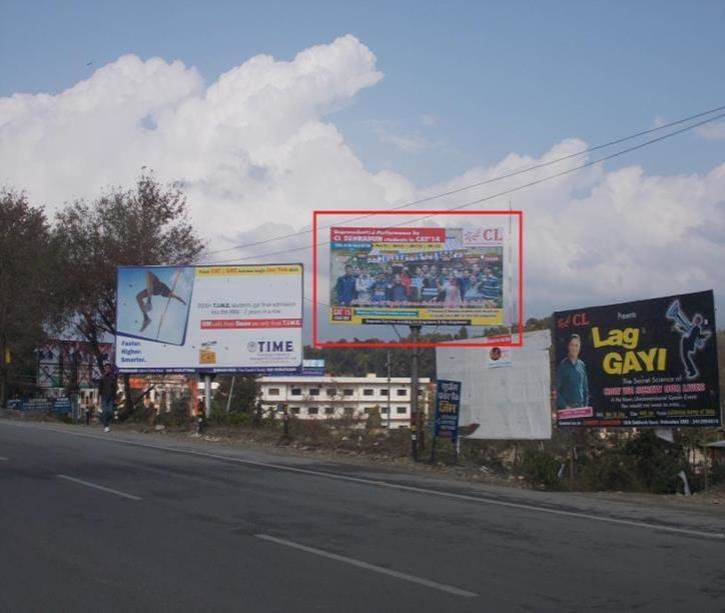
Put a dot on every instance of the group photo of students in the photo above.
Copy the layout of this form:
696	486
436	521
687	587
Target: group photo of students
463	281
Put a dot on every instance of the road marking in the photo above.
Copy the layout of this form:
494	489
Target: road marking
99	487
378	569
406	488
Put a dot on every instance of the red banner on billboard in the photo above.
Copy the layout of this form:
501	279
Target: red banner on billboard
236	324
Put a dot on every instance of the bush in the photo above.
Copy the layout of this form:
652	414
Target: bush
541	468
178	415
608	469
656	463
374	420
233	418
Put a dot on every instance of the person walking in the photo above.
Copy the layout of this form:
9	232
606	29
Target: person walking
107	388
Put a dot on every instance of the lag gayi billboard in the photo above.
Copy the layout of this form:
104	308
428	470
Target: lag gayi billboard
645	363
416	275
239	318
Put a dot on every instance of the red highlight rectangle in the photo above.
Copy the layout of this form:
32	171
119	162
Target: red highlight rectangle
236	324
316	342
575	413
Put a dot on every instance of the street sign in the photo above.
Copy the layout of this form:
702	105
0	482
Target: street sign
448	402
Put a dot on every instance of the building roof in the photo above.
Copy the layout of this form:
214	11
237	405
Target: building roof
330	379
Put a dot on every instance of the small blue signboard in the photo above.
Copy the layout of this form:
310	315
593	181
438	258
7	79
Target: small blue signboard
41	405
448	403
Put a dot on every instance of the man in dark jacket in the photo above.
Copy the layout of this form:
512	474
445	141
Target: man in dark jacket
345	287
107	388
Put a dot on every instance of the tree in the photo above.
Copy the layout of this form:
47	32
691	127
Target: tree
147	224
244	392
27	264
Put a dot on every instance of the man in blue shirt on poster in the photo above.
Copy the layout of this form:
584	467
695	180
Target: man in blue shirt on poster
345	287
572	384
490	286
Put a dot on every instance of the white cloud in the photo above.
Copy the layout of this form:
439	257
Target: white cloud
254	142
712	131
388	133
256	153
594	236
428	120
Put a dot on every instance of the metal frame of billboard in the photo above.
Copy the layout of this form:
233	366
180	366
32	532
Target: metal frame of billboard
317	343
216	370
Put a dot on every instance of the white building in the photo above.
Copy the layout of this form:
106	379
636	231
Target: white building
323	397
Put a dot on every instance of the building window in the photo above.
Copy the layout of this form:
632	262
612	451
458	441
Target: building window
401	410
331	391
369	410
348	411
295	410
329	410
401	392
384	410
383	392
312	411
348	392
314	391
296	391
367	392
273	391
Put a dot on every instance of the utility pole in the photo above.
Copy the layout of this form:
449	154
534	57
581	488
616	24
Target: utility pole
231	393
415	420
388	364
207	395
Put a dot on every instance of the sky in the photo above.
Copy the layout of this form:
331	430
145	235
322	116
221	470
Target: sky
264	111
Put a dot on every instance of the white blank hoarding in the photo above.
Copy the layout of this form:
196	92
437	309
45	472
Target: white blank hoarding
511	403
237	318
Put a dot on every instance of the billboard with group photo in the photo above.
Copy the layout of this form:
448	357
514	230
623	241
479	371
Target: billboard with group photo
645	363
441	276
237	318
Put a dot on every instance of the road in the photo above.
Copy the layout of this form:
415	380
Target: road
123	522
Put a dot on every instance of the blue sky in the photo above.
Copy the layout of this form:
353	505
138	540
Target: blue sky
491	77
470	90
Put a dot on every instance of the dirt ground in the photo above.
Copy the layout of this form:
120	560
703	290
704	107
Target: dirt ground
378	450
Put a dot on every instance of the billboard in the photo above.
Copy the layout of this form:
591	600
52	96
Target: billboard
65	363
511	403
644	363
441	276
237	318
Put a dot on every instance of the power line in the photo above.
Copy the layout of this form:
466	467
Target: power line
498	194
502	177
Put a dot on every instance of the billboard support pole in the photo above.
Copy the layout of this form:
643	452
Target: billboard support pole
388	365
207	395
231	393
414	409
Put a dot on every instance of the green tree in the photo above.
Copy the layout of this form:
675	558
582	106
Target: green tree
147	224
244	391
27	266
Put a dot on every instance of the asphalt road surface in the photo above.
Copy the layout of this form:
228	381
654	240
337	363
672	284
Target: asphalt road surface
122	522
